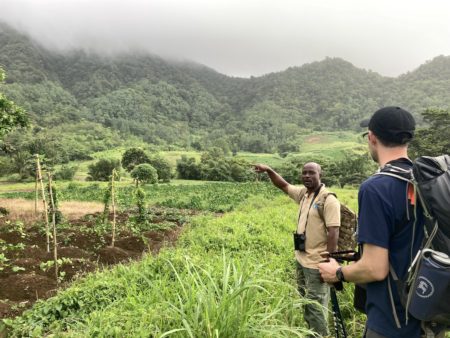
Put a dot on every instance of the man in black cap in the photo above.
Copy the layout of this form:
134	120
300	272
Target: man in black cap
388	237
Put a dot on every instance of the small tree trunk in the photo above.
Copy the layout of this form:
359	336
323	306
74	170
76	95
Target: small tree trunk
113	202
39	177
53	210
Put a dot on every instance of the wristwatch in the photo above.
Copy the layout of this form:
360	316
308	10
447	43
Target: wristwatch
340	275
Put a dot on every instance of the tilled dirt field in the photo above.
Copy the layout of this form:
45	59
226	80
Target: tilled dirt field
26	268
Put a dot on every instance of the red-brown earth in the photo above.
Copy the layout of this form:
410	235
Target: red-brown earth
27	273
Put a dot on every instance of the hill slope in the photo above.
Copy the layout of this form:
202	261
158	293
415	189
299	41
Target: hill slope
187	104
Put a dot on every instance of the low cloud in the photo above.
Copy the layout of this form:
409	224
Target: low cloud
243	38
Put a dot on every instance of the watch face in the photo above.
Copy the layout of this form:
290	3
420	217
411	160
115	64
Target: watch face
339	274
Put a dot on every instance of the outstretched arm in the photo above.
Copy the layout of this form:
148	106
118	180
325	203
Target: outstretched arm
276	179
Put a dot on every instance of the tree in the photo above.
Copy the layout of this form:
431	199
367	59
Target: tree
352	170
433	140
215	170
188	168
66	173
287	147
133	157
163	168
241	170
11	116
102	169
144	173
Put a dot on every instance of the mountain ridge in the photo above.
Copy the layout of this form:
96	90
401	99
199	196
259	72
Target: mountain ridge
150	97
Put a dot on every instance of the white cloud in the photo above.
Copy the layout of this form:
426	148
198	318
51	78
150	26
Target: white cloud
245	37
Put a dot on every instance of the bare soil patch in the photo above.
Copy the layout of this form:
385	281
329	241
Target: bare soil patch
27	271
28	212
313	139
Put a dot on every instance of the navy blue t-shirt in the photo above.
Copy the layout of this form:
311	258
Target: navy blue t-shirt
382	208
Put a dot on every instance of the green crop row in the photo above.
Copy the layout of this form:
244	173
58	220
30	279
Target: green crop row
216	197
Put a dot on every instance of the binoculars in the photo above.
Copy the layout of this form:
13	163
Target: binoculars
299	241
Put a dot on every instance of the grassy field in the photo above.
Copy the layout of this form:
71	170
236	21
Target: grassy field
332	145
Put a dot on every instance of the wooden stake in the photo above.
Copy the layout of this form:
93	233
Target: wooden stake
53	210
39	174
36	192
113	201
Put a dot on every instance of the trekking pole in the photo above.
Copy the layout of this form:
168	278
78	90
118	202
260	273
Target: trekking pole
339	325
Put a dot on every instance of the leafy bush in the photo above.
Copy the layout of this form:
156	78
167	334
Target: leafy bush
102	169
187	168
285	148
66	173
144	173
6	166
133	157
215	167
163	168
215	170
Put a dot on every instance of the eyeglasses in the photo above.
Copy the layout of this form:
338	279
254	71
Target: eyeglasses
364	135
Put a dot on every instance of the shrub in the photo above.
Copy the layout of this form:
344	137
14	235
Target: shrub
285	148
241	170
163	168
66	173
188	169
6	166
102	169
215	170
133	157
144	173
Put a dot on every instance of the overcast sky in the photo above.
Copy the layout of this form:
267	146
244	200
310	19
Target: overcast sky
245	37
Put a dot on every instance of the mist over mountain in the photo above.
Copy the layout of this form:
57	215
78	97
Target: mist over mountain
167	102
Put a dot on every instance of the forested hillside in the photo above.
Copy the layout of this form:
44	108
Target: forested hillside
188	105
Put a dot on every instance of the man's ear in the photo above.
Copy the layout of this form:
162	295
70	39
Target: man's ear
372	138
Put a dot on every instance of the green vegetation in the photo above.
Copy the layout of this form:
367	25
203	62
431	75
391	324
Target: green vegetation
102	169
182	106
144	173
133	157
332	146
217	197
434	140
231	276
11	116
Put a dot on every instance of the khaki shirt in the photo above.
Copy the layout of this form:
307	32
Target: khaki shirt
316	228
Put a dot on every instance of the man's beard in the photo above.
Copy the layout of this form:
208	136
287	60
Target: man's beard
374	155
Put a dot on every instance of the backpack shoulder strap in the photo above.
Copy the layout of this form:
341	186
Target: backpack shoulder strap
321	203
397	172
407	176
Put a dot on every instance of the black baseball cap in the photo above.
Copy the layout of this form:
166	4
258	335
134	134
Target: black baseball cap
391	124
